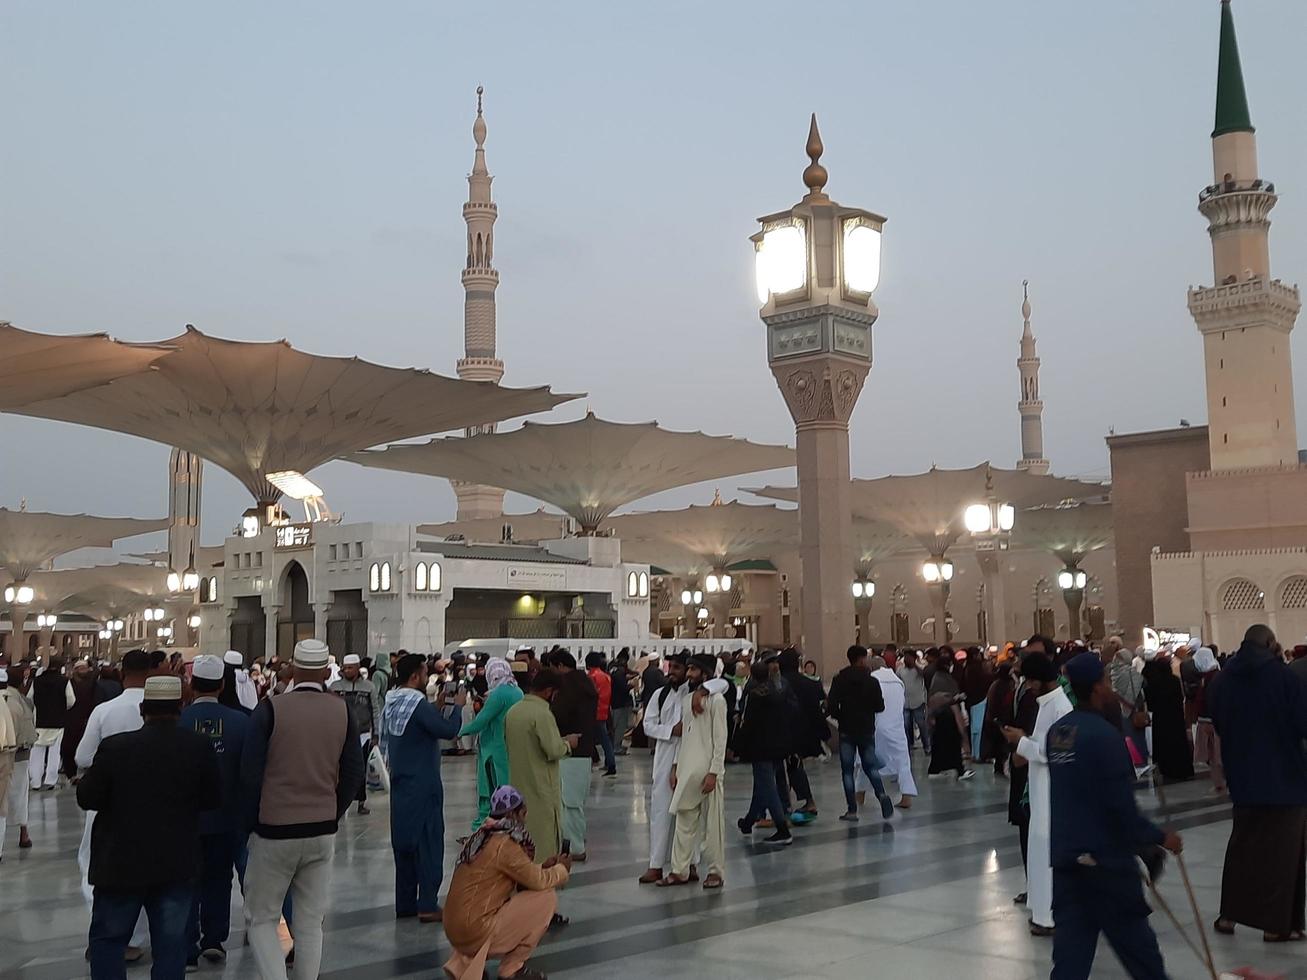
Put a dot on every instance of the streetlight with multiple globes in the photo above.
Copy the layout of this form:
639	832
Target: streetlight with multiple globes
692	602
991	523
864	590
938	573
718	586
1072	580
817	265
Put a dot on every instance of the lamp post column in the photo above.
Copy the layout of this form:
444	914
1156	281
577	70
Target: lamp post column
938	592
1074	599
991	568
862	609
17	619
817	266
270	630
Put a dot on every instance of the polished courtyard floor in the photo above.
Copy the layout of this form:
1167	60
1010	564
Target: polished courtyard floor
926	895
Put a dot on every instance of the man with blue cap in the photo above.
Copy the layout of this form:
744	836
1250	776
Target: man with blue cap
1096	876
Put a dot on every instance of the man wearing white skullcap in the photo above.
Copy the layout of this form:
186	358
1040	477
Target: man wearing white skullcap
147	786
299	777
247	692
209	922
361	699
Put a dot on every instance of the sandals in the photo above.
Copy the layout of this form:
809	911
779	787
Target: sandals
672	881
651	877
1293	936
1224	926
713	882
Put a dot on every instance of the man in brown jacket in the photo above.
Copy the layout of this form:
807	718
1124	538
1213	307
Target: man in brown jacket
500	901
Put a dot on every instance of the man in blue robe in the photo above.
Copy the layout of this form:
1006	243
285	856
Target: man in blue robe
411	731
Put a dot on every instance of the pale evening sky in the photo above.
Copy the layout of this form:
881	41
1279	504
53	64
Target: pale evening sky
297	170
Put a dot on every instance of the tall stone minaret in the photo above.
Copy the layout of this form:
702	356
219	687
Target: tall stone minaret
1031	408
480	280
1246	317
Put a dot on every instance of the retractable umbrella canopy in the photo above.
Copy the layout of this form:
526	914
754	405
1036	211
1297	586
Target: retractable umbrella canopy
37	366
260	408
701	538
928	507
587	468
54	588
1069	530
31	539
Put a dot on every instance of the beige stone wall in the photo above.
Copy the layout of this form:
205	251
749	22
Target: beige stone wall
1150	510
1219	594
1248	509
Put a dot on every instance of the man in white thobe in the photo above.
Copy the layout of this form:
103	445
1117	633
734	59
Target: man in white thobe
247	692
1053	704
662	724
113	717
891	738
698	792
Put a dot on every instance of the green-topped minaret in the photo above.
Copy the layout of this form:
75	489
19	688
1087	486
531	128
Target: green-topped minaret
1245	317
1232	114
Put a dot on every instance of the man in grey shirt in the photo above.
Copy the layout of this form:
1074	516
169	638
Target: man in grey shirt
914	698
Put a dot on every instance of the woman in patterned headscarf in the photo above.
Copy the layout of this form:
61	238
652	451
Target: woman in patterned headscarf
488	725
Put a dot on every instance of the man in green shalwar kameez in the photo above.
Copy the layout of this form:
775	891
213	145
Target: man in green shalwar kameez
534	750
492	753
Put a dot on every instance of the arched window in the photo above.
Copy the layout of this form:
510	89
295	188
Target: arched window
644	585
385	576
374	578
632	585
1241	595
433	580
1293	594
420	577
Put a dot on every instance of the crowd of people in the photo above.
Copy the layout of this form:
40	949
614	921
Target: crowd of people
248	771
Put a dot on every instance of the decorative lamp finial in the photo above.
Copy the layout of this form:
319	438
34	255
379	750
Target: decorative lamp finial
814	174
1025	299
479	127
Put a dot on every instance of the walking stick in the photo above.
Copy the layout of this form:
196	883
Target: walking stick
1189	890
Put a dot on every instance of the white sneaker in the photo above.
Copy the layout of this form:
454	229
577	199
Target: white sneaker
966	775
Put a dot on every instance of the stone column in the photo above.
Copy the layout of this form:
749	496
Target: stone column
820	394
270	614
17	635
939	606
1074	599
991	568
862	610
719	612
321	610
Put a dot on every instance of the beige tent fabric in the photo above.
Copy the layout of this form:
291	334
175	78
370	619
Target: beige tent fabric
36	366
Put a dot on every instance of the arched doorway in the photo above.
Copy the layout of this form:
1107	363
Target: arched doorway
295	620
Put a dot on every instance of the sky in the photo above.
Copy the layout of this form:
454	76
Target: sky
297	170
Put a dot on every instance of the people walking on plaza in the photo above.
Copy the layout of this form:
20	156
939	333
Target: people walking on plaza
52	696
596	670
576	708
1035	677
145	787
13	803
411	731
998	712
8	751
854	700
488	727
361	699
1207	744
1172	753
622	703
1260	713
535	751
221	836
949	732
1128	686
698	791
762	739
914	699
1096	882
1053	704
300	770
976	679
808	729
501	902
113	717
88	691
891	740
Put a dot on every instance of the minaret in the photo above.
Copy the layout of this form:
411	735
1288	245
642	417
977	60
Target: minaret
1031	408
1246	317
480	280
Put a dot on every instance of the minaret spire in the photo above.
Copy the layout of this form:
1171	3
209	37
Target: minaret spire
480	361
1029	405
1245	317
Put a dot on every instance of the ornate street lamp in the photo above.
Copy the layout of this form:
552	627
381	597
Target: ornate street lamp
817	265
938	573
1071	580
864	590
718	586
691	602
990	524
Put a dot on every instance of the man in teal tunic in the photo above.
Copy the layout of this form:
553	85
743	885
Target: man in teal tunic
411	730
492	752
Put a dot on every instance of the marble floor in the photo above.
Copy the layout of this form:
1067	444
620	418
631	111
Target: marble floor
927	895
